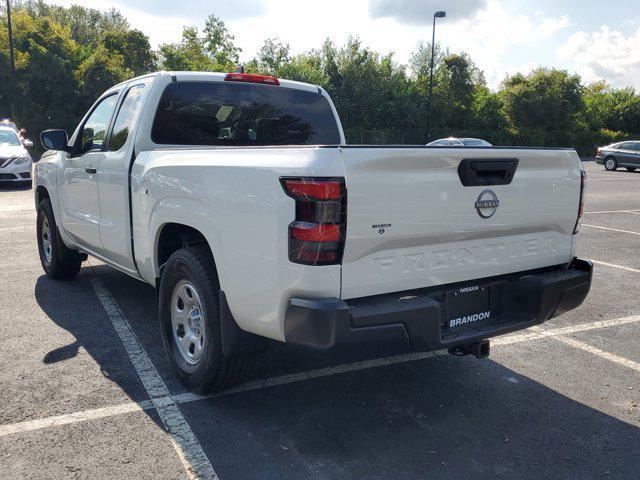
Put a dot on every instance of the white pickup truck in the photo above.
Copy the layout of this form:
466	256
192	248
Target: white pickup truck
236	196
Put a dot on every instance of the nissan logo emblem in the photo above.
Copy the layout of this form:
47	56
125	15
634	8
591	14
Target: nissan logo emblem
487	204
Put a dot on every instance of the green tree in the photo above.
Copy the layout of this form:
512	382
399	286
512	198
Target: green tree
214	50
100	71
488	116
546	99
613	109
455	83
219	43
420	59
273	56
46	57
307	67
189	54
88	25
134	48
369	91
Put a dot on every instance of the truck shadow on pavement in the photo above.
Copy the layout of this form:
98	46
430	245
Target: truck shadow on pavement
442	417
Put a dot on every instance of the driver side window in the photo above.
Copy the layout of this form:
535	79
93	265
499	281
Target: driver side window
95	128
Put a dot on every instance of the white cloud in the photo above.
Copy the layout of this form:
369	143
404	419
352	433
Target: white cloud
421	11
605	54
197	10
549	26
495	32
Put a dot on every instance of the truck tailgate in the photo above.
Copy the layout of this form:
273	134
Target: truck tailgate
411	223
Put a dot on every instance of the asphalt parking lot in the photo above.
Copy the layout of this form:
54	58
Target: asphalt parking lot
86	392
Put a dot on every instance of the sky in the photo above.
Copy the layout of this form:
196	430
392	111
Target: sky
598	40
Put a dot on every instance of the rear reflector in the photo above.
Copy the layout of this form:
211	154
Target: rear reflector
250	78
316	237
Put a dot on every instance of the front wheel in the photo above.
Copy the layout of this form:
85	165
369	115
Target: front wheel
611	164
58	261
190	323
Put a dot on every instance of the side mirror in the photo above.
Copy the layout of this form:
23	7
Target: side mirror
27	143
55	140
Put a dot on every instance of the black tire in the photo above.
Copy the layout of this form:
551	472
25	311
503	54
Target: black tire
213	371
61	263
611	164
631	169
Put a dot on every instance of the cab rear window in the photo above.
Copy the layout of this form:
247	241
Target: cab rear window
235	114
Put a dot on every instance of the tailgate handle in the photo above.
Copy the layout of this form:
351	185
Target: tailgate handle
487	171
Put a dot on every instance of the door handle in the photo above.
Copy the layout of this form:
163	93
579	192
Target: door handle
91	171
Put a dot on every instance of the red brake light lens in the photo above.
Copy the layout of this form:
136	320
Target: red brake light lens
316	237
250	78
310	188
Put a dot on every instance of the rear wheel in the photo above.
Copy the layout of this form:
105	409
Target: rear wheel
631	169
190	323
58	261
611	164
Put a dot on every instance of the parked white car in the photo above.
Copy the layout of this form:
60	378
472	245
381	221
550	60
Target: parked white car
15	161
236	197
459	142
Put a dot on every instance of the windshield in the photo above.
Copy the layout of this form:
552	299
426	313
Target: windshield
473	142
8	137
223	113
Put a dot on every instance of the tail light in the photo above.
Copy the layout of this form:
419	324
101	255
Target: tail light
583	186
316	237
250	78
597	152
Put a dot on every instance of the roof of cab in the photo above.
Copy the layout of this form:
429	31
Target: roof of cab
217	77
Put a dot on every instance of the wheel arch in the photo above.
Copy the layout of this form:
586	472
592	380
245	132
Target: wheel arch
173	236
41	193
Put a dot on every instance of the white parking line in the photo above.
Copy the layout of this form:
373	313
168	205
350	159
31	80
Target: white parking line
611	229
535	333
75	417
617	179
611	357
616	211
182	437
597	262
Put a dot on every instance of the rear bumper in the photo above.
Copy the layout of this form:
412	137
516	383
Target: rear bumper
599	160
416	320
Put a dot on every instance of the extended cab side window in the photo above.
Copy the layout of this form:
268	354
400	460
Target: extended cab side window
94	130
127	115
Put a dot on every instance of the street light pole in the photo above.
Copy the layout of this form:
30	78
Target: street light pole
13	63
438	14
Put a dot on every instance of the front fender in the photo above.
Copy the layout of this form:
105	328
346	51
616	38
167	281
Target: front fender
46	175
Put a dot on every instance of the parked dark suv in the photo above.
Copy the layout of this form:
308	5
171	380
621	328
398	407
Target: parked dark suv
623	154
